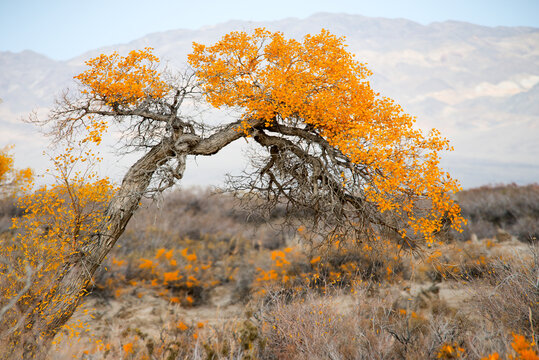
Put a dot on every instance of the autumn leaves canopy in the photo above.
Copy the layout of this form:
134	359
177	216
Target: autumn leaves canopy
317	85
128	80
320	84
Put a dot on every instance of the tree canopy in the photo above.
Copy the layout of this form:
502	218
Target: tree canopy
315	90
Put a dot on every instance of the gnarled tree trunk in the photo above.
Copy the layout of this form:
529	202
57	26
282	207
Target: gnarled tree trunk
35	339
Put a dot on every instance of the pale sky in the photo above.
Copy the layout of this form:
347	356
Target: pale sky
62	29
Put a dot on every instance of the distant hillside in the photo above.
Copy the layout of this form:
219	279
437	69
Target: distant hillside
478	85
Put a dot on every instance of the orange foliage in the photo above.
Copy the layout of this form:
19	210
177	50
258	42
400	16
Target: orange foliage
146	264
180	277
123	80
159	253
57	221
523	350
171	276
318	82
11	179
284	271
118	262
450	351
128	348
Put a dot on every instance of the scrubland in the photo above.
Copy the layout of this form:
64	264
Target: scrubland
196	277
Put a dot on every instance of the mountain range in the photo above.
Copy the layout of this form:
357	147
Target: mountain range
478	85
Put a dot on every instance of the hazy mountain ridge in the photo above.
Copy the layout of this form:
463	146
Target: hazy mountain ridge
479	85
29	79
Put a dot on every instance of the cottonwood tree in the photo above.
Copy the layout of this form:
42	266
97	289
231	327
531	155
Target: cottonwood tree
330	146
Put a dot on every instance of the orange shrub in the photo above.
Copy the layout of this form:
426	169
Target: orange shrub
182	278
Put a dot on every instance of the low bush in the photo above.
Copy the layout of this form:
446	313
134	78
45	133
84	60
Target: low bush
513	208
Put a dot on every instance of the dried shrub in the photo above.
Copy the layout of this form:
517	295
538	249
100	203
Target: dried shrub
512	208
509	298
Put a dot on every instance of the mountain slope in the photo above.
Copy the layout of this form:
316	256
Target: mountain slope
478	85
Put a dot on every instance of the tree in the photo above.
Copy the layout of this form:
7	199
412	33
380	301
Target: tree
10	178
331	147
11	181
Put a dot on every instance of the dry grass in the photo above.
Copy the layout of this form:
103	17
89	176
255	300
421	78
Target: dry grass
267	295
512	208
